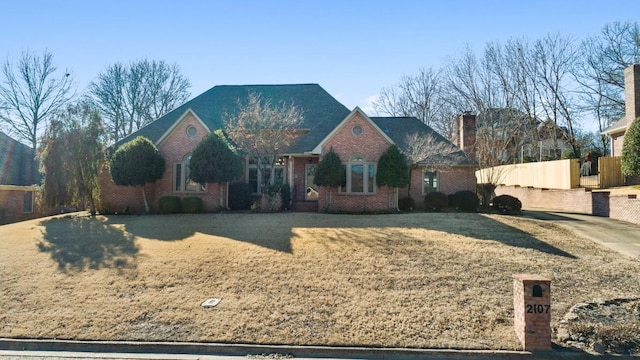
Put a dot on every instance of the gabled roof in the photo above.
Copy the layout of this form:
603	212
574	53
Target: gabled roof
321	111
16	159
357	110
397	128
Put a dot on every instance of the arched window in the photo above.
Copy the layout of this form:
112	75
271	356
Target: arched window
361	176
181	180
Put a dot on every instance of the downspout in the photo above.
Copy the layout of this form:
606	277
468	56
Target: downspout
291	188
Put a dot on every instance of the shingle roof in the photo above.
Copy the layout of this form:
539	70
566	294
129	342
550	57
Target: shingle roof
15	160
619	126
321	111
397	128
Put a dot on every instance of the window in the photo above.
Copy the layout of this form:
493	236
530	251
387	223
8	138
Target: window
361	176
27	206
429	181
259	179
356	130
192	131
181	180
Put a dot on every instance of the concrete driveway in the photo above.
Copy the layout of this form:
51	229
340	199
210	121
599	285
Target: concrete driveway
620	236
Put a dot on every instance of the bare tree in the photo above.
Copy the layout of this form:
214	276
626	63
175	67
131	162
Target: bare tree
600	72
555	58
30	93
419	95
263	130
131	96
429	150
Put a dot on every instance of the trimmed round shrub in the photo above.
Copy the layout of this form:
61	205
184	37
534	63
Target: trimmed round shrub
507	204
406	204
467	201
169	204
437	201
192	204
239	196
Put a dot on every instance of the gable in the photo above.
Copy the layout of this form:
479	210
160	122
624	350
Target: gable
356	134
345	132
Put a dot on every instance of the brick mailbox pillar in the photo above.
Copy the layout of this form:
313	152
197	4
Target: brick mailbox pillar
532	311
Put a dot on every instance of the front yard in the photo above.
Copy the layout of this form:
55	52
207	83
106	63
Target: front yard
413	280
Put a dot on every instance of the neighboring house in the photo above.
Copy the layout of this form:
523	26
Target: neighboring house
17	176
358	139
507	135
632	109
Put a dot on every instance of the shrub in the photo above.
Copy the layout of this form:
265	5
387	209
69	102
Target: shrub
406	204
436	201
192	204
105	209
507	204
466	201
239	196
485	191
271	203
169	204
281	191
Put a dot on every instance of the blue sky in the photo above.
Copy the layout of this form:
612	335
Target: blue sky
351	48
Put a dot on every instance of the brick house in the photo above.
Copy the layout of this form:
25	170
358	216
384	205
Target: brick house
17	176
632	109
358	139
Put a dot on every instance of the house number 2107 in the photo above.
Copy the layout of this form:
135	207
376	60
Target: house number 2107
538	309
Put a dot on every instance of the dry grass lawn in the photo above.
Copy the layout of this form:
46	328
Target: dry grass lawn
412	280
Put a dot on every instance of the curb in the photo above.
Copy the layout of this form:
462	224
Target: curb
133	347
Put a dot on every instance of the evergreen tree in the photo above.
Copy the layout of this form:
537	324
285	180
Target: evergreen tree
330	172
214	161
631	150
393	171
136	163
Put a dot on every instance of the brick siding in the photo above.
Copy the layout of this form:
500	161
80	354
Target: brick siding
173	148
370	144
599	203
12	204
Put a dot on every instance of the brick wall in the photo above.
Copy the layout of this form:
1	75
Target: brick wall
173	148
599	203
12	204
370	144
450	181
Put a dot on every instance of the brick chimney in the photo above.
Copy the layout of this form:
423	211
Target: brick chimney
465	137
632	92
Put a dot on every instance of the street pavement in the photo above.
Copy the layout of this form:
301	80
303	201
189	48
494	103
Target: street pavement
621	236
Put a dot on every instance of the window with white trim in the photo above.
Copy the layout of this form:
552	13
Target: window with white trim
261	176
361	176
181	180
430	181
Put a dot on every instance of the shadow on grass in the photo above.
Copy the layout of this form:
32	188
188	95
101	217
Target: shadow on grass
79	243
484	228
275	231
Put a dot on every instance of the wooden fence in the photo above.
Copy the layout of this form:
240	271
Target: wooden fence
610	171
559	174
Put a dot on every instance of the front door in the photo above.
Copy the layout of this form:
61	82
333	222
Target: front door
311	189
